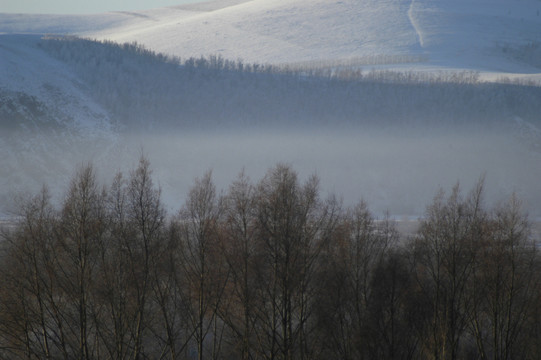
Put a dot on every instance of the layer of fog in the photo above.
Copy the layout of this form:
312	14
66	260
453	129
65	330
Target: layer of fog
398	170
394	170
390	138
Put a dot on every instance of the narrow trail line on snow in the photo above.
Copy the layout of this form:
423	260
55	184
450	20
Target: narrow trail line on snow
414	23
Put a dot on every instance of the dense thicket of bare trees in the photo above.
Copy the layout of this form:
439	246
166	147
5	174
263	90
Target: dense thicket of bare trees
265	270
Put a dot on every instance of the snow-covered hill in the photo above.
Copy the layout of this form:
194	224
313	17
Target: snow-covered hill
48	120
485	35
391	137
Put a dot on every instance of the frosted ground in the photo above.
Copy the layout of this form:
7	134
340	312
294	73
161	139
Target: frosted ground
397	166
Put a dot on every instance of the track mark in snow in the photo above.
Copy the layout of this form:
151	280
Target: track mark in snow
415	25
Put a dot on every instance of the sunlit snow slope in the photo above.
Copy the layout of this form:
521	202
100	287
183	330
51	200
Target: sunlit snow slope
493	36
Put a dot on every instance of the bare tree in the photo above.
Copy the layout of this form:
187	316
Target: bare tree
293	228
360	246
505	284
240	249
127	257
390	324
146	217
171	329
444	254
29	327
113	322
204	268
82	226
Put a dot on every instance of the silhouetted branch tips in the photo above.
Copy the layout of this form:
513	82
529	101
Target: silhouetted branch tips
264	270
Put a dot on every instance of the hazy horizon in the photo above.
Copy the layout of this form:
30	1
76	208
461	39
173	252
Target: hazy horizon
85	7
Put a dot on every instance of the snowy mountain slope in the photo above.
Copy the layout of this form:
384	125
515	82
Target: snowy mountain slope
457	34
24	68
283	31
48	121
474	33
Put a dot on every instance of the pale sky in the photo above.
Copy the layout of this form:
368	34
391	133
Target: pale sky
83	6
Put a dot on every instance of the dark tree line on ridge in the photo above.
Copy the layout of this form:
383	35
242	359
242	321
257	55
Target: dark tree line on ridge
266	270
136	84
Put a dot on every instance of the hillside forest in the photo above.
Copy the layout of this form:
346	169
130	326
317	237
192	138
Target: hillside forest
142	88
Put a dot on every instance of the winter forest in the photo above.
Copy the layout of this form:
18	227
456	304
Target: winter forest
269	269
144	88
272	179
